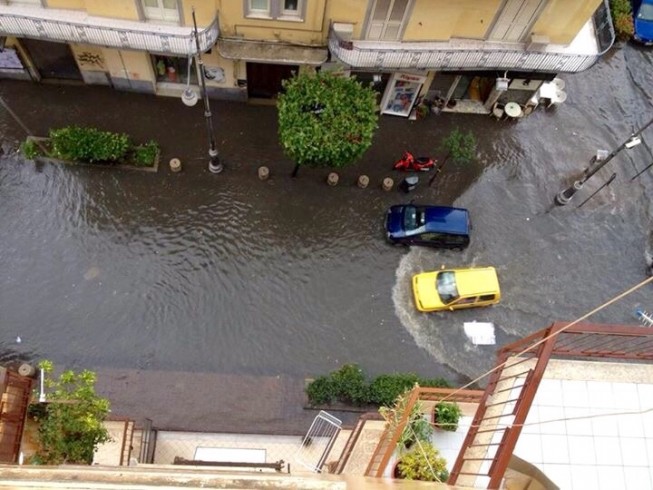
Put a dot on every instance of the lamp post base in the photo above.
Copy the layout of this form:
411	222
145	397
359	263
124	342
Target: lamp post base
215	167
564	196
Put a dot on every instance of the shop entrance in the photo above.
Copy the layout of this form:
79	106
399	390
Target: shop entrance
52	60
264	80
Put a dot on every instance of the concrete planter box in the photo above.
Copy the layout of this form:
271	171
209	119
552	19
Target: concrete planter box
121	166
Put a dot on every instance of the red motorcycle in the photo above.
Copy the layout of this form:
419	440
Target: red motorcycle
409	163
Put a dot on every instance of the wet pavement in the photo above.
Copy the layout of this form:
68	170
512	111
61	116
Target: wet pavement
225	274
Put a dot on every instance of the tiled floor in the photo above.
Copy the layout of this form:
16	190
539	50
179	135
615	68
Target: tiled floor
184	444
584	434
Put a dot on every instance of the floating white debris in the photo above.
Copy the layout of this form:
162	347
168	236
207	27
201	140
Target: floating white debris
18	340
480	333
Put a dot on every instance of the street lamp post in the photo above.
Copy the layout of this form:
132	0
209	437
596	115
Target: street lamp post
564	196
214	161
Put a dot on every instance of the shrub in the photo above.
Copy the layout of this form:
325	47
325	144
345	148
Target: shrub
88	145
145	155
71	423
385	388
446	416
622	16
30	149
321	391
423	463
350	384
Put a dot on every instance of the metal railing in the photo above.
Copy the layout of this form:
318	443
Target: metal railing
502	412
142	36
472	54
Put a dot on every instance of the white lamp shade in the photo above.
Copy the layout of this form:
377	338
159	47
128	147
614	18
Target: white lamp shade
189	97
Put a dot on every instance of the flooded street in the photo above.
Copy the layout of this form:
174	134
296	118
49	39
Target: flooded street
191	271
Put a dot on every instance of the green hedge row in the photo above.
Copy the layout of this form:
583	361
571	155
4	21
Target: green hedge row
349	385
91	145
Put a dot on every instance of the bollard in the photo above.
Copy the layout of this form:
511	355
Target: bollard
332	179
387	184
175	165
263	173
26	370
363	181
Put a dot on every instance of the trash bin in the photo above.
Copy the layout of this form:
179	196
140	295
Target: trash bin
409	183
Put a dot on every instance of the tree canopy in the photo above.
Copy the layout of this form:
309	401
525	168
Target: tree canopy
71	421
326	120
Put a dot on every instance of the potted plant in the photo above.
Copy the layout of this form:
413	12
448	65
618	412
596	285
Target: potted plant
422	463
417	428
446	416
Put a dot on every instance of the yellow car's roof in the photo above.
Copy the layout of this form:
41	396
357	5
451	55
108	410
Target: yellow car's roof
471	282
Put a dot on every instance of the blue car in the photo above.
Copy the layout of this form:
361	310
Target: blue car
644	23
429	226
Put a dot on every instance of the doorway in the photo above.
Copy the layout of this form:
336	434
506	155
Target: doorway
264	80
54	61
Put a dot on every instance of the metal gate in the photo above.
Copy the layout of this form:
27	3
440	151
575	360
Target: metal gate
318	441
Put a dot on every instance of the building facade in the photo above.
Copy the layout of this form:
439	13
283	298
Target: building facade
467	56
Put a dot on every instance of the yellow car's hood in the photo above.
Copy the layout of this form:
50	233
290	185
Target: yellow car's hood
426	293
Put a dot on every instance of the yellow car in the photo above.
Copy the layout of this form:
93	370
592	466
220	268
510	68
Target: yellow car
454	289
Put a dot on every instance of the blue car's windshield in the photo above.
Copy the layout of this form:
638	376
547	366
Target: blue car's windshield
413	218
645	12
446	286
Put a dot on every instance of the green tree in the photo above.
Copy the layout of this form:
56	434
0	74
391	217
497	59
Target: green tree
71	421
325	120
460	147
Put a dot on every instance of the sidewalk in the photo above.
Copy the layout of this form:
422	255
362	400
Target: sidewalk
246	135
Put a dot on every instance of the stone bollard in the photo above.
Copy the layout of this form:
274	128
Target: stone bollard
175	165
387	184
263	173
26	370
363	181
332	179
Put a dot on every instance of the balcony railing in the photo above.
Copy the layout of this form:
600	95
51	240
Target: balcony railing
474	54
78	27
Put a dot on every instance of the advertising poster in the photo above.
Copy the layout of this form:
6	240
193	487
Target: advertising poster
401	93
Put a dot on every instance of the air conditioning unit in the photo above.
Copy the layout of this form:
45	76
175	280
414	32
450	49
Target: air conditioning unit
537	42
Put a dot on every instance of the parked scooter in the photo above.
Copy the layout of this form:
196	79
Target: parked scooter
409	163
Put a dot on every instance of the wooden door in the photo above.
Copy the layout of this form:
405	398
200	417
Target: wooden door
386	20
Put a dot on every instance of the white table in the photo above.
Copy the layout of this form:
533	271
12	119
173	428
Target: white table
513	109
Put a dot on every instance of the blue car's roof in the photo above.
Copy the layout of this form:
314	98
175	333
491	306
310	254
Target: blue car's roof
440	219
446	220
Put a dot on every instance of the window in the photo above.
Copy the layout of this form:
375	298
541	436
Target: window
487	297
413	218
446	286
275	9
166	11
386	20
173	70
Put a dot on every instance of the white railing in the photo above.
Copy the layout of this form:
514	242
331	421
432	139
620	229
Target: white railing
471	54
77	27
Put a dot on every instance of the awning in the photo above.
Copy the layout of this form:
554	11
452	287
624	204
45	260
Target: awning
267	52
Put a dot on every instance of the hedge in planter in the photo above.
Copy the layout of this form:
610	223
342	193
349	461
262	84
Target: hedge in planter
88	145
348	385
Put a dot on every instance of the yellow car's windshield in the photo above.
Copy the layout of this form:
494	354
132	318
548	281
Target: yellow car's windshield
446	286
